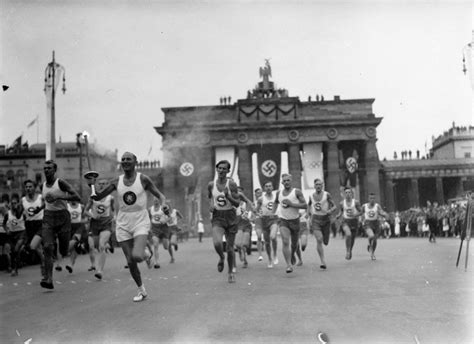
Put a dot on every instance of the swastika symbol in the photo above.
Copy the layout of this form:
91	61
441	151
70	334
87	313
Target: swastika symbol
351	164
186	169
269	168
315	164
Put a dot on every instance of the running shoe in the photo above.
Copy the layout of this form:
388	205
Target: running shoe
92	268
47	284
234	269
373	257
289	270
246	264
275	261
270	265
220	265
14	273
58	268
231	278
299	263
149	263
322	267
156	266
98	275
348	256
171	260
260	258
140	296
69	269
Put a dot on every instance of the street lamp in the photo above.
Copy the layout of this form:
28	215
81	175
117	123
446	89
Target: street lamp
52	76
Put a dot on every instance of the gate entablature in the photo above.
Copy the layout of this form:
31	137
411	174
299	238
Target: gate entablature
268	117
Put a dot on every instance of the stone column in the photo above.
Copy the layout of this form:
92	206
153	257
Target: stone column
439	190
389	196
206	174
332	180
414	193
372	167
170	171
245	170
460	186
294	164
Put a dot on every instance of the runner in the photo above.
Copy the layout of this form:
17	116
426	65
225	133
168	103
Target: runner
33	203
244	227
258	223
224	197
320	208
100	226
269	223
76	211
159	232
350	210
291	200
133	222
5	248
174	216
56	218
14	224
371	213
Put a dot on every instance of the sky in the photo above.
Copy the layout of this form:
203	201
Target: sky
125	60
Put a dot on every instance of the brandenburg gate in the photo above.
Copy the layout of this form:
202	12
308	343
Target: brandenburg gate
334	140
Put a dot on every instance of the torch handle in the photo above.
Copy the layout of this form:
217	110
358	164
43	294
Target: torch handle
93	190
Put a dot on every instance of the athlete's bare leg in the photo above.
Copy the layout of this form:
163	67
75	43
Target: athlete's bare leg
104	237
349	242
217	235
286	238
273	238
319	247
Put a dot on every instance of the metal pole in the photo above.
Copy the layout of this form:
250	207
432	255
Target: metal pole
53	120
79	145
87	152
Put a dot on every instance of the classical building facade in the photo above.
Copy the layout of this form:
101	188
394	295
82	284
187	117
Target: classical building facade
336	138
448	173
24	161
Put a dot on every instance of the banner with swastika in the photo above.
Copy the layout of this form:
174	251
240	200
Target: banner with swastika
269	165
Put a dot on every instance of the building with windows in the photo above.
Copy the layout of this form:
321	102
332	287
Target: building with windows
447	173
22	161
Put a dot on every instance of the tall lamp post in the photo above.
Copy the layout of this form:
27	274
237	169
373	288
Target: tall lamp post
52	76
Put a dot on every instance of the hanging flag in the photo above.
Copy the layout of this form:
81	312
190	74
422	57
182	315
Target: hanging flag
16	143
187	168
269	165
312	164
32	122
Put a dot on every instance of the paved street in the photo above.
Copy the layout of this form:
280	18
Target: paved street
411	293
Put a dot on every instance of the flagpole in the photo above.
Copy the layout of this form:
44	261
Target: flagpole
37	128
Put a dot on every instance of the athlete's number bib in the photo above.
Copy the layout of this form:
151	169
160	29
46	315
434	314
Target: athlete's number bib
221	201
31	211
